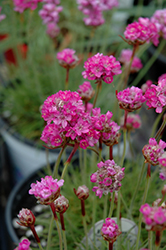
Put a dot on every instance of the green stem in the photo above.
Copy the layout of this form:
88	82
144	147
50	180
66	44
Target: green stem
84	221
112	205
55	169
40	247
50	233
124	147
154	128
150	239
64	239
161	129
140	215
149	63
118	217
64	169
85	167
137	187
94	217
131	148
97	92
105	207
129	67
47	160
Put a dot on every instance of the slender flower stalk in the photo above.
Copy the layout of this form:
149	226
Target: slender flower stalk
112	205
67	78
99	84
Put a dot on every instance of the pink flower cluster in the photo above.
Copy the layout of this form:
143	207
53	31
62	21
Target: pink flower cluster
110	230
125	58
67	120
21	5
153	151
47	190
156	95
109	130
130	99
50	15
2	16
100	67
108	178
24	245
86	91
133	122
159	18
162	162
67	58
142	31
146	86
93	10
153	217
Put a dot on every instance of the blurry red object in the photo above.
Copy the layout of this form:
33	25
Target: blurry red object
9	53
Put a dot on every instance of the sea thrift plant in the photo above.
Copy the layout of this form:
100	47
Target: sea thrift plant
125	58
88	132
153	151
130	99
21	5
108	178
47	190
100	67
110	230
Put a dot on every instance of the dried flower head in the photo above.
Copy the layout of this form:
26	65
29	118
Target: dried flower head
108	178
47	190
61	204
110	230
26	217
153	151
82	192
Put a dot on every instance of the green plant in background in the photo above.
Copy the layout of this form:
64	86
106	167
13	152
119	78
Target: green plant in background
71	121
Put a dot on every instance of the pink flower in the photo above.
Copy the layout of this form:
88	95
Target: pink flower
108	178
163	76
21	5
162	162
130	99
141	32
24	245
100	67
133	121
110	230
125	57
2	16
156	96
67	58
47	190
52	29
159	19
154	217
67	120
50	13
26	217
92	9
86	91
153	151
146	86
109	130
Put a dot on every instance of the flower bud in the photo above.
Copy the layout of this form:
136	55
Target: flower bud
61	204
26	217
82	192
